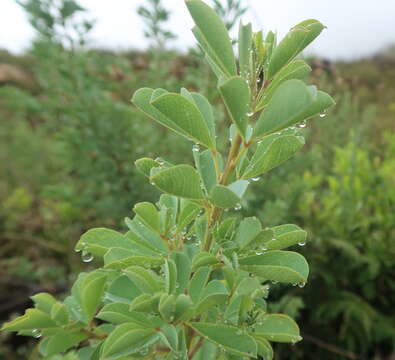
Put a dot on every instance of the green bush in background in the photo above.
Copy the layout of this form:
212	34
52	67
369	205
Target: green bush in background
340	188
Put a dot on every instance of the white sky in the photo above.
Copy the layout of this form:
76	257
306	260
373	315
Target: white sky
355	27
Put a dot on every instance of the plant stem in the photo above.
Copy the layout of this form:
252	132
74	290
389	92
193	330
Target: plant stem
216	213
193	351
215	160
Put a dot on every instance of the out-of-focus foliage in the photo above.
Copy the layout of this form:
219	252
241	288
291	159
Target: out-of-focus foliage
155	16
66	165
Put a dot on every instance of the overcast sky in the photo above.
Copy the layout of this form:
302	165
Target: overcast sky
355	27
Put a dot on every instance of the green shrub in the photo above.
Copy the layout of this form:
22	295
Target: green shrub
187	280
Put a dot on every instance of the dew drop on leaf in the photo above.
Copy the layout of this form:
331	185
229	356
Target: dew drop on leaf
237	207
36	333
302	284
322	115
160	161
302	125
196	148
301	243
257	178
86	256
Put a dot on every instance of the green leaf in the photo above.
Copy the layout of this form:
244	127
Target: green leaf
236	95
126	339
321	102
279	328
142	99
183	308
272	151
206	110
230	338
119	313
264	348
91	292
286	236
277	265
203	259
187	116
297	69
205	166
223	197
63	341
44	302
180	180
293	43
167	304
146	236
59	313
215	35
214	293
169	335
148	213
145	303
228	196
112	260
170	274
144	165
188	212
31	320
245	47
248	229
98	241
183	265
122	289
289	101
146	280
198	282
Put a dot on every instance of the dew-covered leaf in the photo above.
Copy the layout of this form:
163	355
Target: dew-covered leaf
231	338
180	180
277	265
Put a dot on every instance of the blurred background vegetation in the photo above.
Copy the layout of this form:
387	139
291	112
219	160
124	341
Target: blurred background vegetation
69	137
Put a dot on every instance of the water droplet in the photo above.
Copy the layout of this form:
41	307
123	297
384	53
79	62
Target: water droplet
250	113
302	243
302	284
302	125
259	253
237	207
196	148
294	284
160	161
152	183
77	250
322	115
258	80
36	333
86	256
263	248
257	178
